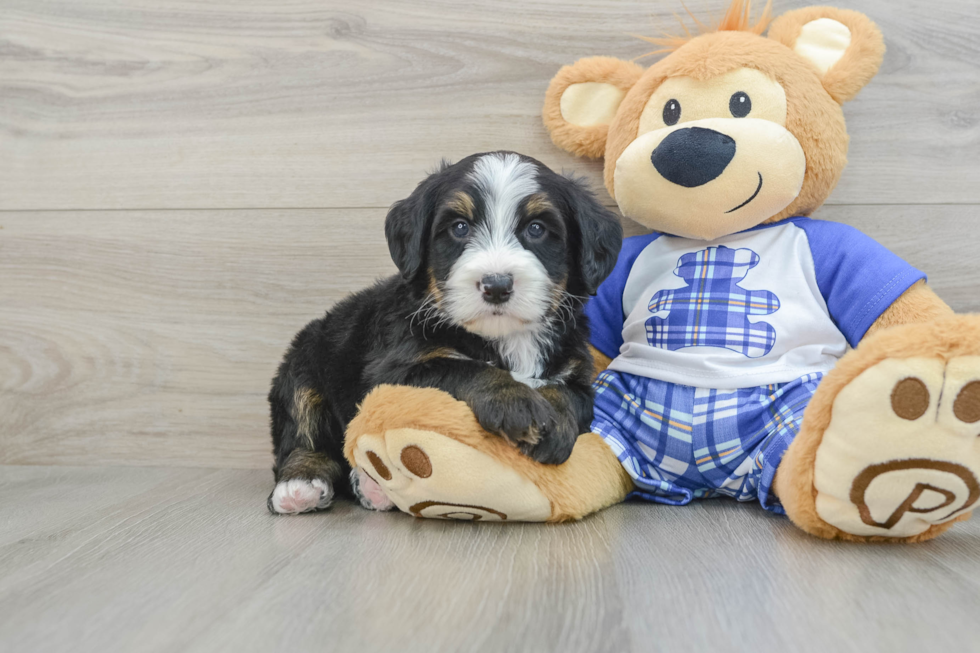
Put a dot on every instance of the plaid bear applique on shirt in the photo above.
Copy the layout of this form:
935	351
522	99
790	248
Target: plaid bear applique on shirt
712	310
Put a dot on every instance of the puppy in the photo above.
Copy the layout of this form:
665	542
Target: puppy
496	256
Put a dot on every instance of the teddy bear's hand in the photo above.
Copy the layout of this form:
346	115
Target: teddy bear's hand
522	416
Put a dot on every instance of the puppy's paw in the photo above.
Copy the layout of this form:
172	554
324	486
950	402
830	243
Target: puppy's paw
555	447
300	495
519	414
368	492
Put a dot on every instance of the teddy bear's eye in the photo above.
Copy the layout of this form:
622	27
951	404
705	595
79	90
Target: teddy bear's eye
740	104
672	112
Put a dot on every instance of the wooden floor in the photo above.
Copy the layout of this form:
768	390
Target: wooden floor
184	184
171	559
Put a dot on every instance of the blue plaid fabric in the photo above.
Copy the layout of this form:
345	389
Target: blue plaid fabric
712	310
681	443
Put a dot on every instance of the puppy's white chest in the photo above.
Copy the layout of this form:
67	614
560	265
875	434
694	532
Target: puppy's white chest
529	381
522	354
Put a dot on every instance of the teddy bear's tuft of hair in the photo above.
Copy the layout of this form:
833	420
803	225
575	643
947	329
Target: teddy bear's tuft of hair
736	19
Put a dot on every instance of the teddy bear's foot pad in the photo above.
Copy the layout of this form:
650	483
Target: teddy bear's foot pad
902	451
428	474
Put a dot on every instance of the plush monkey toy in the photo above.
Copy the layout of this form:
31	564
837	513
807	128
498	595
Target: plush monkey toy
723	335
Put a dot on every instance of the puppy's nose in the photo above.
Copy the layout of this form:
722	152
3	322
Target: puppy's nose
497	287
693	156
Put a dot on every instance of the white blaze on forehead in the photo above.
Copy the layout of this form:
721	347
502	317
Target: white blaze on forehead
517	326
503	180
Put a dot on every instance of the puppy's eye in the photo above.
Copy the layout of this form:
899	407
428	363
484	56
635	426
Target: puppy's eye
672	112
536	231
460	229
740	104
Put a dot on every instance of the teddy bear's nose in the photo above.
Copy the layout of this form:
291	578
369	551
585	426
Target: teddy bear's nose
693	156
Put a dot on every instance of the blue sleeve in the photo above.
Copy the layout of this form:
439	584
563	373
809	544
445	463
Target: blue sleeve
605	310
858	277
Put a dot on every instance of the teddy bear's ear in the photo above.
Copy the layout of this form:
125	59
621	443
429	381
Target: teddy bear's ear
845	46
582	100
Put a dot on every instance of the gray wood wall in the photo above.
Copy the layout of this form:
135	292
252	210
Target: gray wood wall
183	185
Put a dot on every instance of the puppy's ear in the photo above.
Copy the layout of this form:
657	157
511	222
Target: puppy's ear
407	229
600	233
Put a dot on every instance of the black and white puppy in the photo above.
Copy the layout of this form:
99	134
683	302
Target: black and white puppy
496	256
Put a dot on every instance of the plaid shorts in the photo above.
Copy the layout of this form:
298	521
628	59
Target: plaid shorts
681	443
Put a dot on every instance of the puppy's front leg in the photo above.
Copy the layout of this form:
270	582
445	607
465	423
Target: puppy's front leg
512	409
572	404
502	405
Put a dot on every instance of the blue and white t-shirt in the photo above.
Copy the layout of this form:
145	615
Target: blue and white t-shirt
762	306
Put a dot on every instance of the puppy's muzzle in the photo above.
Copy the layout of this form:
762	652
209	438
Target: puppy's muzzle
497	288
694	156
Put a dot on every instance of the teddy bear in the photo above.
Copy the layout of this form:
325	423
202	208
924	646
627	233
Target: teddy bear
745	349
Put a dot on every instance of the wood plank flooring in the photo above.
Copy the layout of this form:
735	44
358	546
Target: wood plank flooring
167	559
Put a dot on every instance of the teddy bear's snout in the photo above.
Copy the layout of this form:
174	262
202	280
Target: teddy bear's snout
693	156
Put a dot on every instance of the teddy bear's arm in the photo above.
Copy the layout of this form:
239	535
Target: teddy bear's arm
918	304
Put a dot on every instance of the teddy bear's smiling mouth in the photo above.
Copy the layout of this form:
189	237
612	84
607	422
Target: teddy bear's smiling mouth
757	189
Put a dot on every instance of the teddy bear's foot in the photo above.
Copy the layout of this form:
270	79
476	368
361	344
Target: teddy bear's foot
429	475
902	451
899	457
429	456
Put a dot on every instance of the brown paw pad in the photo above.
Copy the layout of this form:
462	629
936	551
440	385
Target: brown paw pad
416	461
910	398
966	407
379	465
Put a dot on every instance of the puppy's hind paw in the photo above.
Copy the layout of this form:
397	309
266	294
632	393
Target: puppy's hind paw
368	492
299	495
